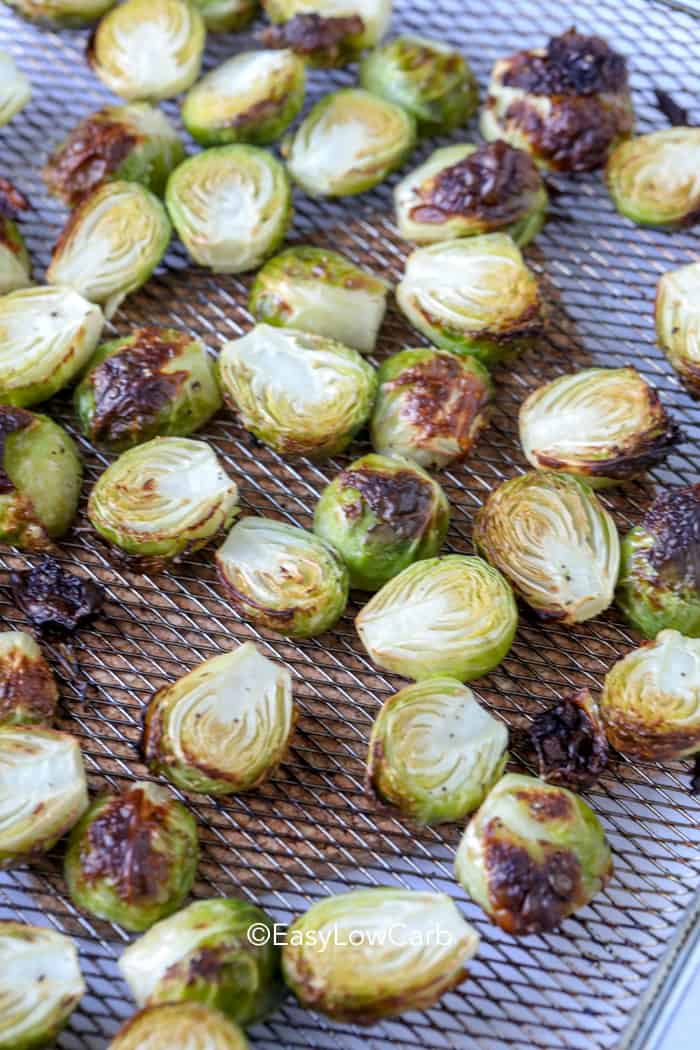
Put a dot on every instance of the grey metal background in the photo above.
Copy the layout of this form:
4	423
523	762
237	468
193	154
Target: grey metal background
312	831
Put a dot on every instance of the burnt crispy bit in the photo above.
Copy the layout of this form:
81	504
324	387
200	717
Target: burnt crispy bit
401	501
572	64
577	133
695	777
55	600
570	742
677	115
313	35
91	155
11	420
674	521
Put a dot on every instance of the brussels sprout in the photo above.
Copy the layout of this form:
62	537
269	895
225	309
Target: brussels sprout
15	89
28	692
132	858
40	476
678	322
434	752
532	855
570	742
252	97
111	244
134	143
655	179
283	578
659	585
163	499
326	32
568	104
382	513
205	954
431	406
48	335
227	16
231	207
604	424
453	616
190	1025
42	790
348	143
15	263
155	382
40	985
474	295
376	953
67	14
299	393
147	50
320	291
224	727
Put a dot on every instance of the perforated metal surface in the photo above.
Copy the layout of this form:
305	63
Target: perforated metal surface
312	831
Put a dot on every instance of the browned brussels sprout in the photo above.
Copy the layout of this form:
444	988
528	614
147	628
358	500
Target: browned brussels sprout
28	692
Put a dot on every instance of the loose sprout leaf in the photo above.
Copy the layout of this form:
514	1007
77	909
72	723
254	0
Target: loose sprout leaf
15	89
190	1025
678	322
655	179
28	692
55	600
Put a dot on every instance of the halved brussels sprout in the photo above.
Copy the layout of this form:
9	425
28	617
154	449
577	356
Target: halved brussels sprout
164	498
376	953
382	513
651	699
28	692
231	207
604	424
326	32
15	263
283	578
655	179
474	296
134	143
556	543
48	335
40	476
320	291
15	89
68	14
435	752
299	393
431	406
206	953
132	858
40	985
569	740
227	16
147	50
348	143
453	616
190	1025
678	322
43	790
111	244
532	855
252	97
568	104
224	727
155	382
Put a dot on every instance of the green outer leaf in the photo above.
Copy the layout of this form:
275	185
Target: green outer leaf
654	601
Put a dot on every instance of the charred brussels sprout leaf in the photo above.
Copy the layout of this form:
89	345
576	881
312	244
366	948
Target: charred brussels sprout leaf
382	513
655	179
54	600
678	322
28	693
570	742
435	752
299	393
554	541
453	616
349	142
67	14
190	1025
15	89
132	858
327	32
362	956
156	382
474	296
227	16
320	291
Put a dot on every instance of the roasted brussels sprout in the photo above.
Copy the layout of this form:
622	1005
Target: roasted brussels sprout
252	97
40	476
206	954
326	32
147	50
190	1025
283	578
40	985
132	858
453	616
654	179
227	16
15	89
224	727
162	499
568	104
431	406
678	322
350	141
231	207
67	14
604	424
28	692
320	291
474	296
435	752
554	541
155	382
532	855
362	956
42	790
382	513
569	740
299	393
15	263
135	143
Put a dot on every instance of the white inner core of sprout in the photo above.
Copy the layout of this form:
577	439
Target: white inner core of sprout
36	331
246	74
306	376
470	290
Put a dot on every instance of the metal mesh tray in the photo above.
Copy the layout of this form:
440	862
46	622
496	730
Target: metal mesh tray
312	831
